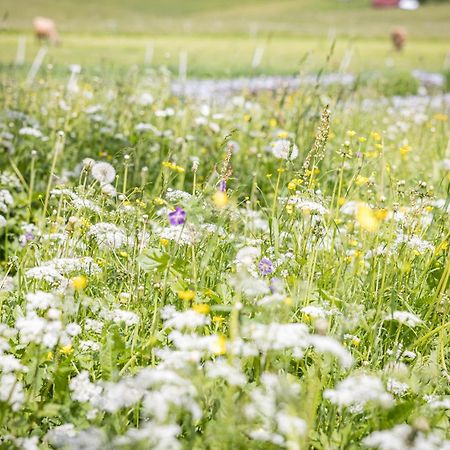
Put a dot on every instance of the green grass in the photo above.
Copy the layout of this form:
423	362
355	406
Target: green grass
210	55
221	36
299	17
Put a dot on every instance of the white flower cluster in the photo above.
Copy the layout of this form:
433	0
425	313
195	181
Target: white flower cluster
269	410
295	337
358	390
404	437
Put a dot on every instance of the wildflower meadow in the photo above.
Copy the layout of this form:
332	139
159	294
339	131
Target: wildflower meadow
251	269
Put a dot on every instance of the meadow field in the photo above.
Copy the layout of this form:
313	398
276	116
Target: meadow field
260	266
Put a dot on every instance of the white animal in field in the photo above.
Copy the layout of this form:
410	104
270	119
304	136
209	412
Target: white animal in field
45	29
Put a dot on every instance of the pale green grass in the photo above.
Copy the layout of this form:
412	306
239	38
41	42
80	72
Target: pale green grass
232	55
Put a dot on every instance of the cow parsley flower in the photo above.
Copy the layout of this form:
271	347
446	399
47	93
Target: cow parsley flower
358	390
107	235
404	437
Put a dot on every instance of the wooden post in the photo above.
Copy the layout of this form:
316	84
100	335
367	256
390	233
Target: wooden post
36	65
20	55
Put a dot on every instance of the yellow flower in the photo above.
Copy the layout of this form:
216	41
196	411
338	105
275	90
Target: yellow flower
355	341
372	154
283	134
375	136
367	219
218	320
79	283
381	214
441	247
50	356
172	166
220	199
289	208
159	201
66	350
441	117
201	308
163	241
292	185
351	133
273	123
186	295
220	347
101	262
404	151
288	301
362	139
360	180
247	117
84	224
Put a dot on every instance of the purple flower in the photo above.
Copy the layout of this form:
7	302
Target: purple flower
222	185
177	217
276	286
265	266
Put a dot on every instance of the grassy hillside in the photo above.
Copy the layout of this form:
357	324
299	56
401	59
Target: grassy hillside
301	17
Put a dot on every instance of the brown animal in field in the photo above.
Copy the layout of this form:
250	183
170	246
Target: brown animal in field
45	30
398	38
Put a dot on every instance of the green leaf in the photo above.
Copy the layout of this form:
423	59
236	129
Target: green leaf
153	259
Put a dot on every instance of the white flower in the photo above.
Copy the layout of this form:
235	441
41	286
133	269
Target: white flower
404	437
175	195
405	317
284	149
316	312
435	402
88	163
11	390
120	315
82	390
28	131
85	346
145	99
108	235
9	363
307	206
73	329
220	368
357	390
186	234
103	172
249	285
183	319
397	387
41	300
93	325
5	200
247	255
48	274
109	189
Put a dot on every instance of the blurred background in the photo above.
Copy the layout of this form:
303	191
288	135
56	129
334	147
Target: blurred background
227	38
